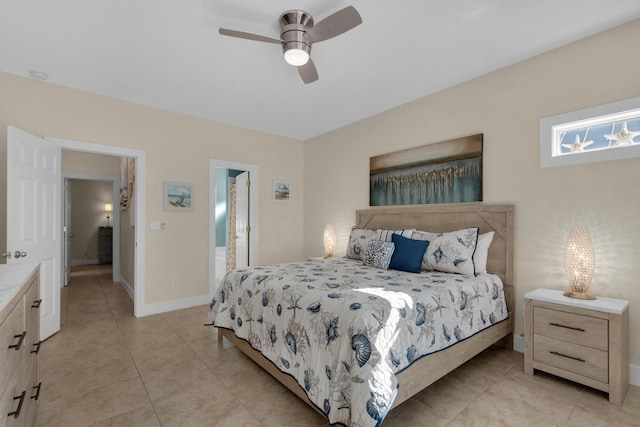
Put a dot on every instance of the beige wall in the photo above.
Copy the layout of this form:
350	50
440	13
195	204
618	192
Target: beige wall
87	215
506	106
178	148
77	162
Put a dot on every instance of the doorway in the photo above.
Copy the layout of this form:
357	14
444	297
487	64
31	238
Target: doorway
75	251
140	309
233	218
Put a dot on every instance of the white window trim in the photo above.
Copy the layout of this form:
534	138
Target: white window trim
547	124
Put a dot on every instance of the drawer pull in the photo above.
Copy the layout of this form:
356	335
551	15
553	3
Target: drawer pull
573	328
36	304
19	344
568	357
37	346
37	396
16	413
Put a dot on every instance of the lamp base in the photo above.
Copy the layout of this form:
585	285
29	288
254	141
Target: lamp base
579	295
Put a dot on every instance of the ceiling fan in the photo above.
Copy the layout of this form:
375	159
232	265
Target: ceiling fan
298	33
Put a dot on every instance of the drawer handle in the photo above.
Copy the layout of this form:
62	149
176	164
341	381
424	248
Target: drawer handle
568	357
19	344
573	328
36	304
37	396
16	413
37	346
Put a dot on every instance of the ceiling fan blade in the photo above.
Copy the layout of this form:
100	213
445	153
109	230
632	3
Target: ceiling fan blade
308	72
335	24
248	36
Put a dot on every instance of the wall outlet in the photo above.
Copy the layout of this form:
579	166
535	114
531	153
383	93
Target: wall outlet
175	284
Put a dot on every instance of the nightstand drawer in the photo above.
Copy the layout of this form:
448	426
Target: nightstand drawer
586	361
574	328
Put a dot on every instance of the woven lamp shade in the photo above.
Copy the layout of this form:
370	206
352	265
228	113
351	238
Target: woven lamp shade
579	263
329	240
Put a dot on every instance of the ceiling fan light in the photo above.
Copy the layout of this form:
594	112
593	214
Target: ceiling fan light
296	57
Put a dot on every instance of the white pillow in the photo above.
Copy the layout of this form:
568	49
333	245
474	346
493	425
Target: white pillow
378	254
482	252
385	235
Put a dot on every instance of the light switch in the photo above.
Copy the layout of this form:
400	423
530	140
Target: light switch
157	225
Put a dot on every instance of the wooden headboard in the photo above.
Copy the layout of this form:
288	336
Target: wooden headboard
454	216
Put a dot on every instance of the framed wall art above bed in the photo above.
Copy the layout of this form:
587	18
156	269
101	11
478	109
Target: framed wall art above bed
444	172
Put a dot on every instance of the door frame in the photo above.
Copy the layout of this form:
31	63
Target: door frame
115	215
254	203
139	306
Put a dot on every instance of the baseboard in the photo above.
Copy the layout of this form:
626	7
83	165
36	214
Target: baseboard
127	287
84	261
163	307
634	370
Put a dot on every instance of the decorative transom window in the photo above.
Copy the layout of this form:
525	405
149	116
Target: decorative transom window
606	132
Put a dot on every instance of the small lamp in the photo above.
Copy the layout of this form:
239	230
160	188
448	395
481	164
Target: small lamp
329	240
579	263
108	208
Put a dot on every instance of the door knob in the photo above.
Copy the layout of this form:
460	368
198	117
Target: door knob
6	254
19	254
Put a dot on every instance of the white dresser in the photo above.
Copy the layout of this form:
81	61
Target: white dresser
19	343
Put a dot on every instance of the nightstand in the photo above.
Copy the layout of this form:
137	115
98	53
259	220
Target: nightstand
586	341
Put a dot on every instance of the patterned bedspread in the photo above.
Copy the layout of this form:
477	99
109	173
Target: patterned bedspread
343	329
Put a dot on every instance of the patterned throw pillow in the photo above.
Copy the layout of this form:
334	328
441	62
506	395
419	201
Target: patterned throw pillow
450	252
358	242
378	254
385	235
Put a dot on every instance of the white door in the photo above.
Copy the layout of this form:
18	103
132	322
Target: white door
33	216
242	220
67	231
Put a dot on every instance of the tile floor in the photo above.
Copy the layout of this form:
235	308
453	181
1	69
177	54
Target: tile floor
107	368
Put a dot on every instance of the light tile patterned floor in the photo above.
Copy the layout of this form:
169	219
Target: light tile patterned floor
107	368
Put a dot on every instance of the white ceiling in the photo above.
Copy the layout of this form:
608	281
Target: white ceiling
168	53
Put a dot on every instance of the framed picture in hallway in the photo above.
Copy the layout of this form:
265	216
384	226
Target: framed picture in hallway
177	196
281	191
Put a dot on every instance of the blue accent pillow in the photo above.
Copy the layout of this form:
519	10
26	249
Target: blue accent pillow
408	253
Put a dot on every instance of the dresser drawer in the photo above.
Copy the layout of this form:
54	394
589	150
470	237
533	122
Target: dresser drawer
33	391
9	404
11	358
586	361
574	328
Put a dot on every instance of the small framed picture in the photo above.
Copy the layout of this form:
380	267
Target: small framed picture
281	191
177	196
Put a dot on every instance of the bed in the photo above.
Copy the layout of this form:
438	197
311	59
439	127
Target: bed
342	346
